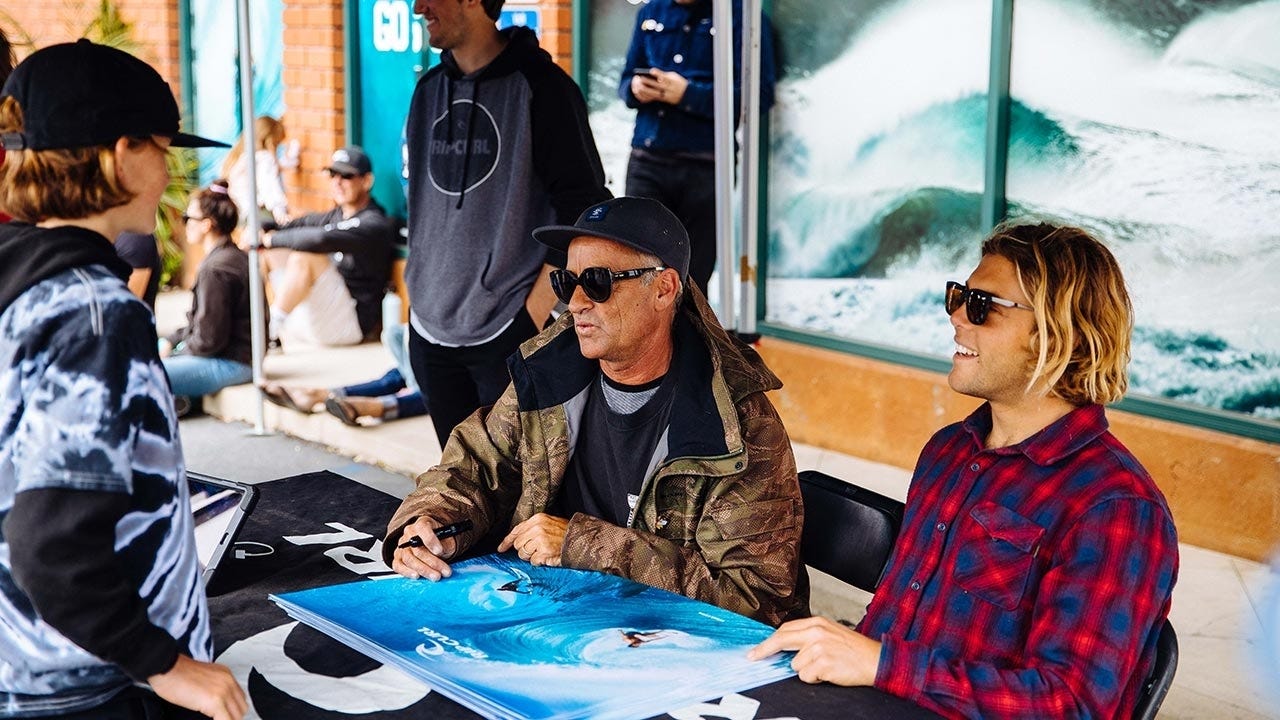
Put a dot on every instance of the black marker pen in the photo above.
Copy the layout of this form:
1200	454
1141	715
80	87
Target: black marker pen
446	531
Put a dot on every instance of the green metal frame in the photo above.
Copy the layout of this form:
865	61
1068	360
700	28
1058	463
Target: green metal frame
997	152
184	63
993	212
353	122
581	51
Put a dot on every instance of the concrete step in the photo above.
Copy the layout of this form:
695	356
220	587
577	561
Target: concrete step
405	446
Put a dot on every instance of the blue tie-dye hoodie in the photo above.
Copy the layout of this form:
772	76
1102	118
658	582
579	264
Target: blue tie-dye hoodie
99	582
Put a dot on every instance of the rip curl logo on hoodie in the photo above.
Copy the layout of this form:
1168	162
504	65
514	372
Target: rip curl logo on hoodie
465	148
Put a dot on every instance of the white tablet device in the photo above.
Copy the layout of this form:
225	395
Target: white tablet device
219	508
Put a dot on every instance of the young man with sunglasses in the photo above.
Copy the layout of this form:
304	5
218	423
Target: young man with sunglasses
498	143
1037	557
635	437
340	266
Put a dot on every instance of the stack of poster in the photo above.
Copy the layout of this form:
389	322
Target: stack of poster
511	640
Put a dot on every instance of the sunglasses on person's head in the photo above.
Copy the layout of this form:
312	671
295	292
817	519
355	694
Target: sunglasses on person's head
596	282
977	303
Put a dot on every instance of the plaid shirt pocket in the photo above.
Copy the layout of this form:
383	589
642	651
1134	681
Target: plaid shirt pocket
996	552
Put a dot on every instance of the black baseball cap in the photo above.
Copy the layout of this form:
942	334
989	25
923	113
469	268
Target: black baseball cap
641	223
350	160
82	94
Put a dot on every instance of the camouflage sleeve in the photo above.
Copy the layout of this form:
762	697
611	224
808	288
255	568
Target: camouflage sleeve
731	540
478	476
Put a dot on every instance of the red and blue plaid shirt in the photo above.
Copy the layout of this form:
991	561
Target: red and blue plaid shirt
1028	581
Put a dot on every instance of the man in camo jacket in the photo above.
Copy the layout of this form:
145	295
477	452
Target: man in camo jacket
635	438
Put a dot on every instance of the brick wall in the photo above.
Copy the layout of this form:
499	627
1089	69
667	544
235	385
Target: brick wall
314	87
557	30
155	28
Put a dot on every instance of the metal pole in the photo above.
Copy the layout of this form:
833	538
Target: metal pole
749	180
997	152
257	303
722	23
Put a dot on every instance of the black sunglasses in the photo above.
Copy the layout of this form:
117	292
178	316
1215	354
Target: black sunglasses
977	303
188	218
344	176
596	282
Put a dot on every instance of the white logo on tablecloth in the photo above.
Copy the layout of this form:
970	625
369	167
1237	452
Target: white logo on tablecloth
381	690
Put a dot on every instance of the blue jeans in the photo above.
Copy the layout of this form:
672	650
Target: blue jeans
409	404
394	340
193	376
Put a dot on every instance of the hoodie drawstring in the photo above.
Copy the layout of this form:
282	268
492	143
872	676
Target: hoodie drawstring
466	151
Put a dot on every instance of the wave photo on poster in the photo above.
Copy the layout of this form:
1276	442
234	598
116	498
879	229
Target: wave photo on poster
512	640
1160	138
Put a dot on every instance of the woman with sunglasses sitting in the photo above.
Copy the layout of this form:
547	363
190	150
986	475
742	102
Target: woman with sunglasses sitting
214	350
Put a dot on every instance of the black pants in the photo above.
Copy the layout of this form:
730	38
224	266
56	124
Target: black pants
133	703
688	188
458	380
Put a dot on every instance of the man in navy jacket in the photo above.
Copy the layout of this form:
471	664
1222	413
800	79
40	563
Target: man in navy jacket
668	80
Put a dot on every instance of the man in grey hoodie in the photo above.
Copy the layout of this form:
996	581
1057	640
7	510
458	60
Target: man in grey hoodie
498	144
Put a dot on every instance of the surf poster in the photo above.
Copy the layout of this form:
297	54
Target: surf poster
511	640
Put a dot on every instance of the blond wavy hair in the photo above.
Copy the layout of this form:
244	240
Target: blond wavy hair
1084	318
268	133
36	185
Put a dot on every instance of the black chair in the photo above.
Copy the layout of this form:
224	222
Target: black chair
1157	684
849	531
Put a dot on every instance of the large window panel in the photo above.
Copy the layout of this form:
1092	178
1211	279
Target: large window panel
1157	125
612	122
215	71
876	166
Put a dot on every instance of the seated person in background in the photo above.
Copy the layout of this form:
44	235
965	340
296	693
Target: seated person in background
143	255
215	349
394	396
268	136
341	261
100	590
1037	558
635	438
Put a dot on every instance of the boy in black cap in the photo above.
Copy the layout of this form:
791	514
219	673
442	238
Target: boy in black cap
99	583
635	438
341	264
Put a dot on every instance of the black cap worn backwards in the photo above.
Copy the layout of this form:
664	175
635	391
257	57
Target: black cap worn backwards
350	160
641	223
82	94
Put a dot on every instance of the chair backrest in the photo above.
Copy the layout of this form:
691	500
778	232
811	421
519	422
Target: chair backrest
1161	677
849	531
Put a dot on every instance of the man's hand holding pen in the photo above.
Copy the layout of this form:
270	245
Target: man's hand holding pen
425	548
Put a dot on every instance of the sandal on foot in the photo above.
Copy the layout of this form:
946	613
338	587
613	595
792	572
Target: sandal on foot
342	410
278	395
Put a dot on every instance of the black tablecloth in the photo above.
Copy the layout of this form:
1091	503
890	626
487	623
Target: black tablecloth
321	529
